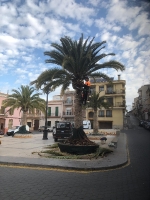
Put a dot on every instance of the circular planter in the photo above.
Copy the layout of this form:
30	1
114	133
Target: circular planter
77	149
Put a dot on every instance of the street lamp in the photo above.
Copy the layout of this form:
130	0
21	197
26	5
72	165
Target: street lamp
45	131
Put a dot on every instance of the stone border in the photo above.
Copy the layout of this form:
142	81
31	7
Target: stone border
17	135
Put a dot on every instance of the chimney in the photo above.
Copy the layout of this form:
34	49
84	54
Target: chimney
118	77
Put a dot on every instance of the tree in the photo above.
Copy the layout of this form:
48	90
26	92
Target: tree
26	100
96	102
76	60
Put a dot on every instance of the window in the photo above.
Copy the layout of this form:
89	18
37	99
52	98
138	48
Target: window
11	112
109	89
2	110
101	113
68	100
56	111
68	111
110	101
101	88
29	124
49	123
108	113
49	111
91	114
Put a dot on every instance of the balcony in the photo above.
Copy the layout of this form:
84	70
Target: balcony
119	104
115	92
66	103
53	115
34	115
68	114
101	116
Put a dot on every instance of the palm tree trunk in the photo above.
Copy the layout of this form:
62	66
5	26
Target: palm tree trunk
95	122
79	136
78	119
24	118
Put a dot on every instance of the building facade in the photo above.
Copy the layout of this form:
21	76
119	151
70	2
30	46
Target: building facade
114	94
141	105
33	119
68	106
8	119
61	108
54	112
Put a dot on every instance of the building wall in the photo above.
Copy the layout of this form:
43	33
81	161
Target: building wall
53	115
6	119
142	107
68	105
118	117
116	93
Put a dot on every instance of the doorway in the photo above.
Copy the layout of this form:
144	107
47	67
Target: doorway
36	124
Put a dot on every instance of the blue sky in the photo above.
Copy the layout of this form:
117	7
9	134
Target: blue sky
28	27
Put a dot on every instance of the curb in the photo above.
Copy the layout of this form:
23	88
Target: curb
120	158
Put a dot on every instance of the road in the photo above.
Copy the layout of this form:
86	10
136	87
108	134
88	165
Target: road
131	182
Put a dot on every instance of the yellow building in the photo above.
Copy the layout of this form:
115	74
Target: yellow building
113	117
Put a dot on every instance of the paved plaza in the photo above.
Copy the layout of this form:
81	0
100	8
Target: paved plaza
20	151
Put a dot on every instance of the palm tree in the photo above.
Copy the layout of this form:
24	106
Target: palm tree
26	100
76	60
96	102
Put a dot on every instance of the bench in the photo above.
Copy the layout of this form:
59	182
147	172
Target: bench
114	142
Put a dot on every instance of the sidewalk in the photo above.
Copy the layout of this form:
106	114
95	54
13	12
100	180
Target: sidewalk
18	151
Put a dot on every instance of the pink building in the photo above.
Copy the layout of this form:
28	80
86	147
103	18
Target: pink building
8	119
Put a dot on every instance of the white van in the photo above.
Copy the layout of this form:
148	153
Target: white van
14	129
86	124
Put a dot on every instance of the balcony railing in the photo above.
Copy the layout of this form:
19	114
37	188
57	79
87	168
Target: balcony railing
119	104
34	115
101	115
70	102
68	114
114	92
53	114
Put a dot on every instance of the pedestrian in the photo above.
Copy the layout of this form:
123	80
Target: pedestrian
86	90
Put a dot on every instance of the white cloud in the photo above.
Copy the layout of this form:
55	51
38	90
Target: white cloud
106	36
127	42
142	23
120	12
8	41
21	71
126	54
94	2
116	28
35	23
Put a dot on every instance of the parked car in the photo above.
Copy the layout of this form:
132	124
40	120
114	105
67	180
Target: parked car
15	129
86	124
141	122
144	124
62	130
147	125
41	128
